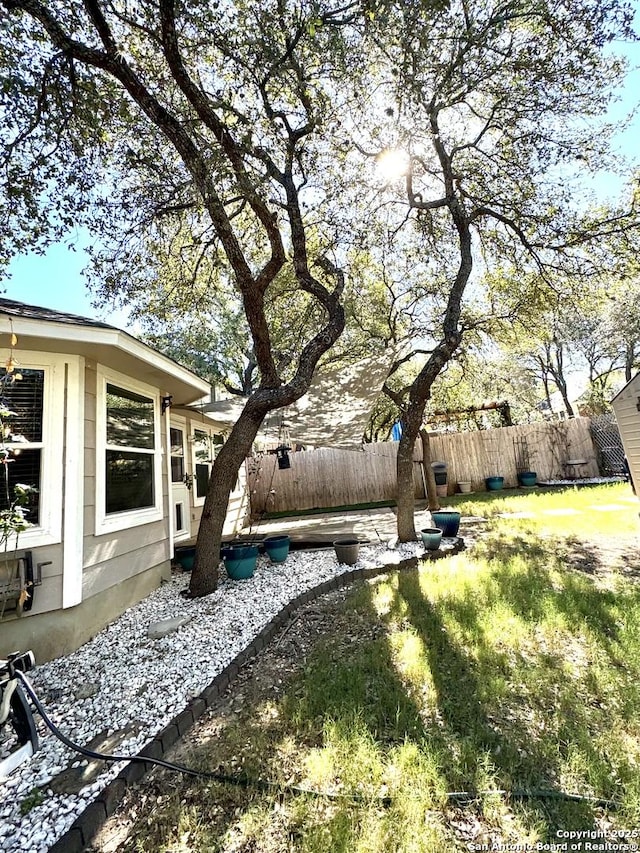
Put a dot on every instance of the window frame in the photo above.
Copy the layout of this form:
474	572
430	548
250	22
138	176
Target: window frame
48	530
114	521
209	431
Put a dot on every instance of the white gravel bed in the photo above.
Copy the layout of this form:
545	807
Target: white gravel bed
149	682
582	481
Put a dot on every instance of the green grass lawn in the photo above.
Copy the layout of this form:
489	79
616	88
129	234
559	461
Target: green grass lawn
501	672
608	509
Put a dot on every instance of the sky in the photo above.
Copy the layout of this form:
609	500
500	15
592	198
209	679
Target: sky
55	279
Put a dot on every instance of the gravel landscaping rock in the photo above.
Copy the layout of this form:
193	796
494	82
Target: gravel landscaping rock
143	683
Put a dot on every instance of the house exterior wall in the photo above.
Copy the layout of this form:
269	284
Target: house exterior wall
110	558
626	407
93	570
90	578
54	543
237	511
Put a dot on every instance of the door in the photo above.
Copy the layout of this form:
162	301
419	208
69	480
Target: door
180	498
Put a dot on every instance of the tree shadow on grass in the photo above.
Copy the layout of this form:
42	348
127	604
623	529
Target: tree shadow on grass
331	728
353	697
479	739
535	593
611	555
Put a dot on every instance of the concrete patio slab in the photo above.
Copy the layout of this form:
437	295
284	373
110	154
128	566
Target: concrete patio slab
319	530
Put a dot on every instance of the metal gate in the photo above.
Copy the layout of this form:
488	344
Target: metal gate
606	438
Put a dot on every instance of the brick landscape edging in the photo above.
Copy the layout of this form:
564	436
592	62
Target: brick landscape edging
87	825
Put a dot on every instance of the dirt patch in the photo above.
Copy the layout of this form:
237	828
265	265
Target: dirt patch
605	557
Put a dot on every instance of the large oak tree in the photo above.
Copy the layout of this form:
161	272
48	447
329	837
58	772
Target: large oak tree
493	108
139	118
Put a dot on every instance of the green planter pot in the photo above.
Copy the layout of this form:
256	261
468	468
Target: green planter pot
277	548
240	561
447	520
431	538
494	484
528	478
184	556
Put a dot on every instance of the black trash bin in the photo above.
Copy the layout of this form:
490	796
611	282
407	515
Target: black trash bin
440	473
440	476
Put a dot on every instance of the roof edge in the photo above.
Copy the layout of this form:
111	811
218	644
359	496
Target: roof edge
56	325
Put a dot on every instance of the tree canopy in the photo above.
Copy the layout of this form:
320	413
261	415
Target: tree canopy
385	156
491	115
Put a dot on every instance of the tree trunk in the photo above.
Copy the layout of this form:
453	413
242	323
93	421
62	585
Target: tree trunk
411	423
429	478
562	387
406	498
204	578
547	394
629	361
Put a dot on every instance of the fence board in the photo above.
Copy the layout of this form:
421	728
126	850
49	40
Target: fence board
328	477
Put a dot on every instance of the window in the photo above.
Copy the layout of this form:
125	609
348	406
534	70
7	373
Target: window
39	404
129	454
23	401
177	455
206	446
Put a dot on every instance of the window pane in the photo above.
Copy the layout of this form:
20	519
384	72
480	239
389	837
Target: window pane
129	419
129	481
24	397
201	446
176	438
177	441
202	480
25	468
177	469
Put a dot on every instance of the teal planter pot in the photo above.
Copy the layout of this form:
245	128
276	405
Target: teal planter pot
448	521
431	538
528	478
185	556
240	561
494	484
277	548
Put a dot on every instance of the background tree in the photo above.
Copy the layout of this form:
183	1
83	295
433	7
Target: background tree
488	111
584	326
486	374
606	330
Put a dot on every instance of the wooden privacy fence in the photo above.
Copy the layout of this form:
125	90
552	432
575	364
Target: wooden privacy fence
329	477
544	447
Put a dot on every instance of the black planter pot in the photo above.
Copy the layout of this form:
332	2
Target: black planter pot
184	555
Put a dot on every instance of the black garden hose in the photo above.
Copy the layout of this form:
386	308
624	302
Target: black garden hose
459	797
